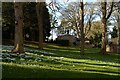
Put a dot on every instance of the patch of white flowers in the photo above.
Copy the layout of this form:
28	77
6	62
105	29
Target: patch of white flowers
27	50
58	58
30	55
7	47
37	51
61	57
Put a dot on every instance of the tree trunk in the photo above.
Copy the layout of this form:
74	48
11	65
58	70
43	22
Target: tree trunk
104	36
104	20
82	27
77	29
104	24
40	22
18	42
118	23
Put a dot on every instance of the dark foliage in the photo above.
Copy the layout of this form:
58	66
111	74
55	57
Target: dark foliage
8	20
96	40
62	42
114	32
30	21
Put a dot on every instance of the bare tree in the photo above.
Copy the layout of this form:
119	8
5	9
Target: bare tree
118	29
71	17
105	17
82	27
117	18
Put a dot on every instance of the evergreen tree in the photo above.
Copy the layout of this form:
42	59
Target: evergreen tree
8	19
30	21
114	32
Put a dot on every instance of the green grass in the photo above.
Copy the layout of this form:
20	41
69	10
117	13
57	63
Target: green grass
66	62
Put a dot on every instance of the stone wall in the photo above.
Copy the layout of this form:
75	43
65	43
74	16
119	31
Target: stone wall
71	38
113	48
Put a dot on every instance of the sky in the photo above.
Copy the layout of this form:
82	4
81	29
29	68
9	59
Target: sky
56	0
67	1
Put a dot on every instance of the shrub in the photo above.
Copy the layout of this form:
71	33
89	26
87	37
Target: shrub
62	42
96	40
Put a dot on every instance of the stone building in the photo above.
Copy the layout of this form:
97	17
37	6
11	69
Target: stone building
70	38
73	40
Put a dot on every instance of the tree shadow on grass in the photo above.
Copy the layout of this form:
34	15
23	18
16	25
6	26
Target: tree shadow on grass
73	53
91	53
14	71
92	56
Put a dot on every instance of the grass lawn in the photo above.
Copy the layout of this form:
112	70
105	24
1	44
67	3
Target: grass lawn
59	62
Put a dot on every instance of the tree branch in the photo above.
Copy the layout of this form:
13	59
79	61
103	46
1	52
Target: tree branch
110	10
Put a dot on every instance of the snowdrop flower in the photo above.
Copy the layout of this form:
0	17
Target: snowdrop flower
40	60
34	65
42	55
27	53
13	59
1	54
52	59
61	57
22	59
73	65
8	58
104	66
36	54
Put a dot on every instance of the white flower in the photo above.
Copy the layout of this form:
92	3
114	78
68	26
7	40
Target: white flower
22	59
61	57
40	60
13	59
41	55
73	65
8	58
103	66
27	53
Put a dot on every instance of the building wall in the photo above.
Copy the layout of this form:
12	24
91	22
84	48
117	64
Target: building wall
71	38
